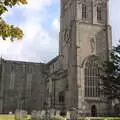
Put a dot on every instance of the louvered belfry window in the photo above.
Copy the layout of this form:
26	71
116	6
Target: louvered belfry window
99	13
84	11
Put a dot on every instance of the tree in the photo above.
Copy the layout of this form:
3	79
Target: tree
111	75
6	30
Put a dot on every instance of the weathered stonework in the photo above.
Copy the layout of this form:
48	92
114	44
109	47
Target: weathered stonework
62	82
80	39
22	86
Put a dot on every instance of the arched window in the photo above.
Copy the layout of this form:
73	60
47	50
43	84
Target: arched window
92	78
61	98
84	12
99	13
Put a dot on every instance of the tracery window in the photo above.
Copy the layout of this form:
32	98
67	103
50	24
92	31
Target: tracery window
84	11
99	13
92	78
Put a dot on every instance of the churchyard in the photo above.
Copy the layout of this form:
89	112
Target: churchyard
49	115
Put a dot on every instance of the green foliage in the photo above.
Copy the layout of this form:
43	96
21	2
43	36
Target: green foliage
58	118
111	75
7	30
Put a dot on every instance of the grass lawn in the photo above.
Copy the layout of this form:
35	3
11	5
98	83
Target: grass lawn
7	117
12	117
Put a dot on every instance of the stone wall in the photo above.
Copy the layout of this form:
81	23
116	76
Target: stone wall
22	85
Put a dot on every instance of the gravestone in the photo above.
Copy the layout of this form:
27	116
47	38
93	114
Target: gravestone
20	115
57	113
43	114
34	115
17	115
52	113
24	114
68	115
10	113
38	115
48	114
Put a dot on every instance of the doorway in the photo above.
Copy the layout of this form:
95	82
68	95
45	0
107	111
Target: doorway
117	110
93	111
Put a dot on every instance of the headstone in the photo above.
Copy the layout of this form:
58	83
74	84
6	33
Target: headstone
52	113
68	116
24	114
34	115
57	113
43	114
10	112
20	115
38	115
48	114
17	115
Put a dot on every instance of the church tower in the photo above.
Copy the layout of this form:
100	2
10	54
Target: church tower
85	41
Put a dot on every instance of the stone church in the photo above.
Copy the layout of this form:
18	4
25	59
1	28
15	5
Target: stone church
71	79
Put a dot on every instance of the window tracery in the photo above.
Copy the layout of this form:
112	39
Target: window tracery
92	78
99	13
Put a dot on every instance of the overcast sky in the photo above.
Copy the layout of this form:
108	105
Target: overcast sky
40	23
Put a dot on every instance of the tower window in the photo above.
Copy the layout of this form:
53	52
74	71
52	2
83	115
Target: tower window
99	13
92	78
84	14
61	97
